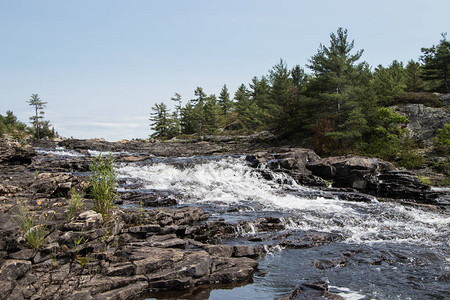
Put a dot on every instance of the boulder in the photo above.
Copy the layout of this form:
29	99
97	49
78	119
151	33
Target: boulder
287	159
373	176
354	172
404	185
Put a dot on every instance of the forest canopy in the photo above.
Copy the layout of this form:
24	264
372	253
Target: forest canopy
341	106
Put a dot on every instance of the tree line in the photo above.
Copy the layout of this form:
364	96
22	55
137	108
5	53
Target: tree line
10	125
341	107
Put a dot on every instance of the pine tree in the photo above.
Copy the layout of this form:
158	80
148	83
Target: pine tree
199	109
413	80
37	119
298	77
161	121
176	115
389	82
212	114
436	66
11	125
260	97
224	100
280	82
189	122
340	85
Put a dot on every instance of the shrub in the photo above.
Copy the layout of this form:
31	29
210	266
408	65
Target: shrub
442	140
425	180
103	183
427	99
442	167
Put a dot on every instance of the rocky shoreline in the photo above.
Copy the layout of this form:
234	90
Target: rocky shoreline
138	250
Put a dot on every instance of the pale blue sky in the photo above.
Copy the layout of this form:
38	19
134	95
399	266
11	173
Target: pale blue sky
102	65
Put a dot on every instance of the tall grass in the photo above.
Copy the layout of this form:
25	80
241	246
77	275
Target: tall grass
34	231
103	184
75	203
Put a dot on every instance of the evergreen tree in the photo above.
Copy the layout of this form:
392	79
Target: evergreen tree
224	100
212	114
37	119
413	80
11	125
388	134
177	99
340	86
436	66
389	82
260	97
246	109
280	82
176	115
161	121
189	122
298	77
199	109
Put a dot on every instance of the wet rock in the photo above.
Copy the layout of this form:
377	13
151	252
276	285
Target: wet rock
170	148
288	159
230	271
372	176
356	197
404	185
154	199
248	251
346	171
269	224
310	240
309	179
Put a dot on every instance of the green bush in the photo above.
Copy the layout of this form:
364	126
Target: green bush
442	140
103	184
442	167
427	99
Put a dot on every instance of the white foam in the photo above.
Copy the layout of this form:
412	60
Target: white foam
230	181
345	293
59	151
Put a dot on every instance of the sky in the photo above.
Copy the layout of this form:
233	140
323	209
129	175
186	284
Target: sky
101	65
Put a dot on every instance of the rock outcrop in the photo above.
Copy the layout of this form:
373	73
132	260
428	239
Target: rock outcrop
136	251
424	121
352	174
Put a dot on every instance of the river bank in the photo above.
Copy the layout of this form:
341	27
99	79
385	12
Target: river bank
190	243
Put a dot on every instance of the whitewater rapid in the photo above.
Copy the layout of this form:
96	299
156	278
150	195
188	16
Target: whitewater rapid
229	181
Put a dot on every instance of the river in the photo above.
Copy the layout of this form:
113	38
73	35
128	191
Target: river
384	250
375	250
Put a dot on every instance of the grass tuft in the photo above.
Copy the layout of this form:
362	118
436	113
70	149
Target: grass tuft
34	231
75	203
103	185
